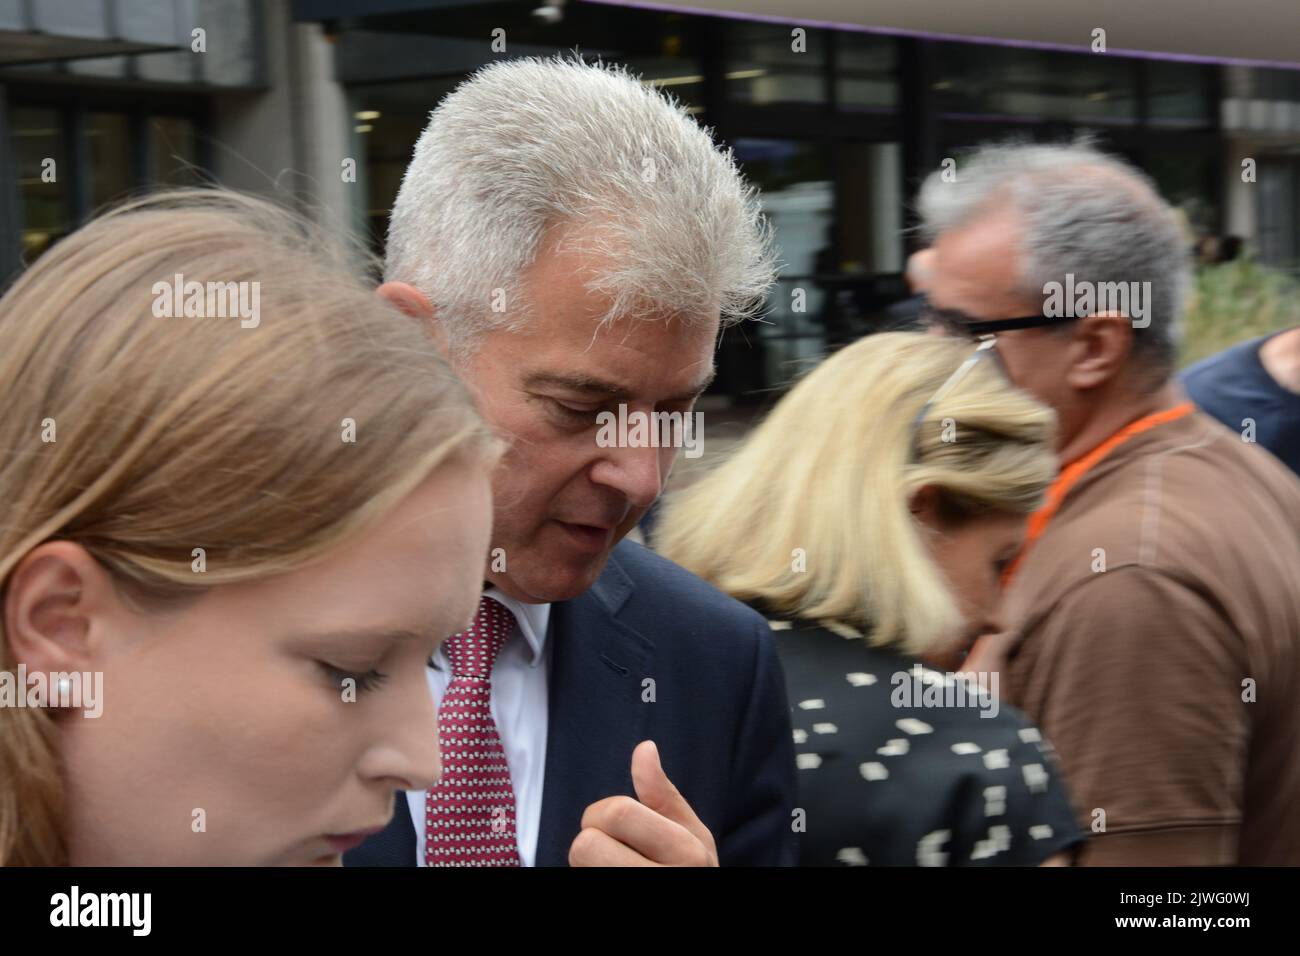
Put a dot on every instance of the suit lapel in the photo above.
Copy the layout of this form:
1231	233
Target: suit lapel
596	715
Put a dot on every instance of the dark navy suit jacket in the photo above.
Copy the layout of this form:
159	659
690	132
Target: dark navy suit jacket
719	714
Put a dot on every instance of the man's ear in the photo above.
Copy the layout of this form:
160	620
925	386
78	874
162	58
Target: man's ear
410	300
1101	345
54	595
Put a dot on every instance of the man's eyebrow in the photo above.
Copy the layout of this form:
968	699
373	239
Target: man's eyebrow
574	383
597	386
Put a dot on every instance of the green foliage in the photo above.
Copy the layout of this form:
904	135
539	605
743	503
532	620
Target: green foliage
1236	301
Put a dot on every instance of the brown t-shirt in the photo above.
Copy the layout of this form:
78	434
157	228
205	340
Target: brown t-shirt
1158	647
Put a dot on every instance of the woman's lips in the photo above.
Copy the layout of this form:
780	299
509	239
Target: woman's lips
342	842
586	537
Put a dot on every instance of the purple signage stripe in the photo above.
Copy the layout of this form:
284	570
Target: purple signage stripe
947	37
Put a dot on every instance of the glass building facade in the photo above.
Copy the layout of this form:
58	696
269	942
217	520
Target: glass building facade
836	127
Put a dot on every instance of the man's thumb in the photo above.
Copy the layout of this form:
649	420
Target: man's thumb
656	791
653	788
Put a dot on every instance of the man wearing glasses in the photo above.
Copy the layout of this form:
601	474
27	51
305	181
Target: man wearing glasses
1154	614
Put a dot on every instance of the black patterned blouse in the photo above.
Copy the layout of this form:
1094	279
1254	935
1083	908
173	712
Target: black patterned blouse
898	766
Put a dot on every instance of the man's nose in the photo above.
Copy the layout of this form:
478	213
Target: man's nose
636	473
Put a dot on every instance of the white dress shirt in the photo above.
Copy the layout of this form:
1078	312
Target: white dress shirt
519	707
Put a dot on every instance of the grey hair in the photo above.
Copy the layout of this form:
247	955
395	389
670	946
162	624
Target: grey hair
527	145
1083	212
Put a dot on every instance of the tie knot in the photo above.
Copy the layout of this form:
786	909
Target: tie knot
473	651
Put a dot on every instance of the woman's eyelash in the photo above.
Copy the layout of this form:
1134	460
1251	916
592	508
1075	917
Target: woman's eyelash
363	682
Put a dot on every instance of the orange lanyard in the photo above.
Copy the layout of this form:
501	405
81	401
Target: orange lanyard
1071	473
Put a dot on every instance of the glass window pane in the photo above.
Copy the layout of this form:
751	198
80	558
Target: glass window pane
766	65
1007	81
1184	179
108	141
865	77
682	77
869	207
173	151
1272	84
388	146
43	173
1277	206
1178	94
387	120
798	198
675	65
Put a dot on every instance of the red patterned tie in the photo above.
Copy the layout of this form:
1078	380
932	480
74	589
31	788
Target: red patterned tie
469	814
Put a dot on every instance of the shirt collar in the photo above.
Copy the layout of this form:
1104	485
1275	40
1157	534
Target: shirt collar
532	620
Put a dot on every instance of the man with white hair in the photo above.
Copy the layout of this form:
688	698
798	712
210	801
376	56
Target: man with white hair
1155	610
576	241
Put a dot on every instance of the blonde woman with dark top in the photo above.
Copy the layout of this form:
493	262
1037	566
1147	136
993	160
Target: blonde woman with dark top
870	517
237	520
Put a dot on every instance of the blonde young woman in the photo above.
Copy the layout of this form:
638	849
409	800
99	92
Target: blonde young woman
870	516
251	533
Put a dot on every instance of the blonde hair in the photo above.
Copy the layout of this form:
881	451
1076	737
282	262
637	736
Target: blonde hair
176	433
832	471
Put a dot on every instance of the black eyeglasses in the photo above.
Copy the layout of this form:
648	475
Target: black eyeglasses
958	323
987	346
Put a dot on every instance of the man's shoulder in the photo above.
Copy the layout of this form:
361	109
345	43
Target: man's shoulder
1230	385
1190	484
1194	505
670	603
661	583
1232	357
